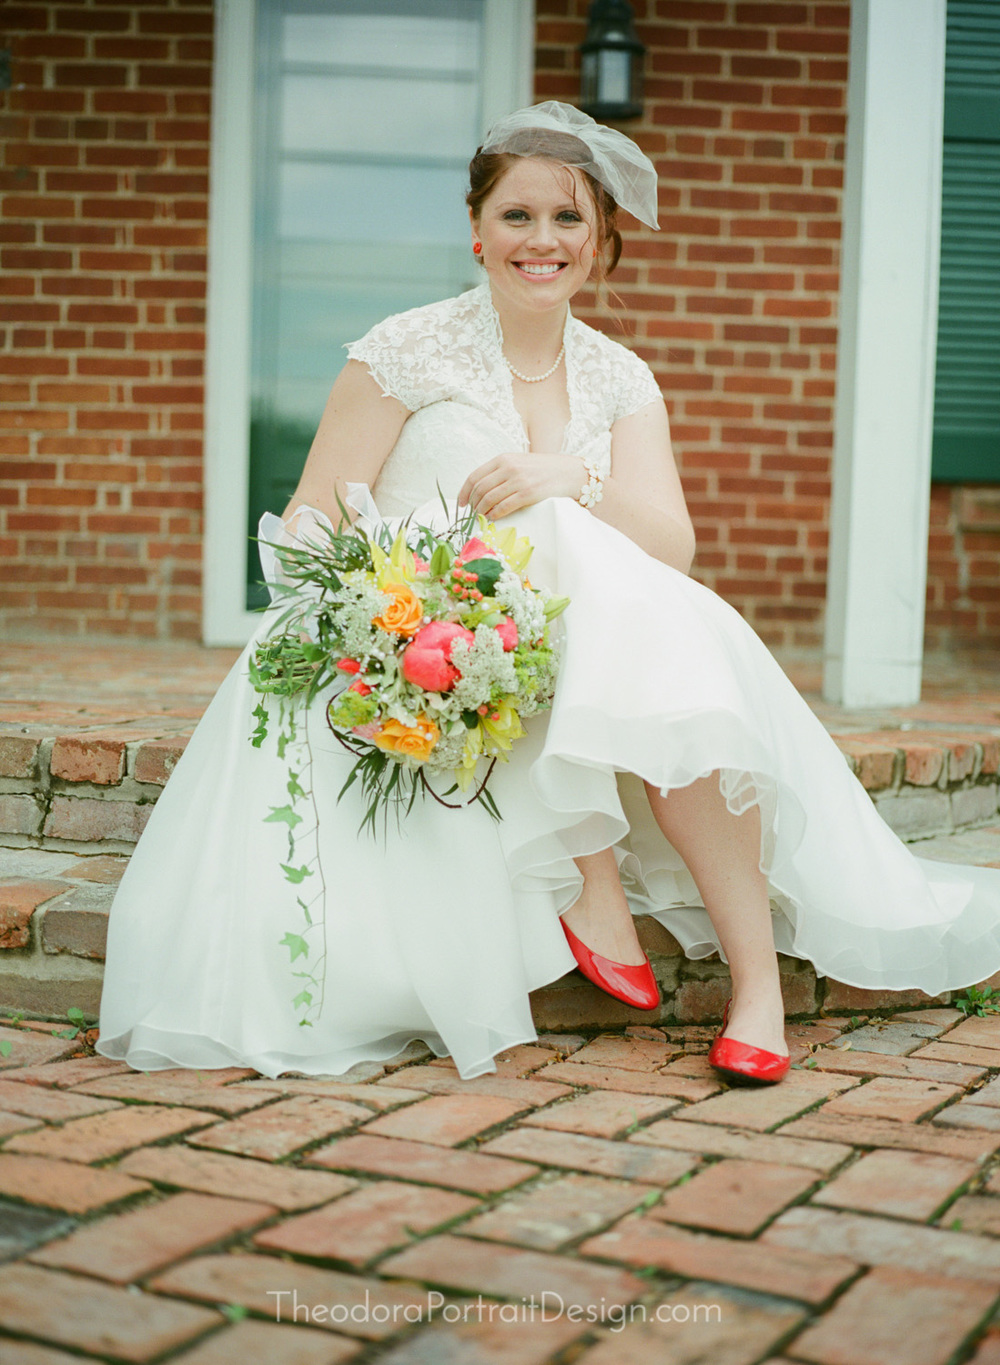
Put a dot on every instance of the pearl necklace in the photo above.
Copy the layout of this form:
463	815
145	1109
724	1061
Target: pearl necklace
535	378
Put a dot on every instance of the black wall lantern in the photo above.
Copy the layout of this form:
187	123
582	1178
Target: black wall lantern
611	63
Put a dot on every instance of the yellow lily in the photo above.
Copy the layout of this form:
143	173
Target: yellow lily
503	724
517	550
398	565
470	756
401	558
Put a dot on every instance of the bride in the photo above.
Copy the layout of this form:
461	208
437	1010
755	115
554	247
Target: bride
678	774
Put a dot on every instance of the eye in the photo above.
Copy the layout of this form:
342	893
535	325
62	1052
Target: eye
515	215
569	216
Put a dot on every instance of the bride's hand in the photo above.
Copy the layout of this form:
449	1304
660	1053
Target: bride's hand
507	483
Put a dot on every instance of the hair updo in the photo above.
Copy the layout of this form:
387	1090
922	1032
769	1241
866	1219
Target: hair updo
486	169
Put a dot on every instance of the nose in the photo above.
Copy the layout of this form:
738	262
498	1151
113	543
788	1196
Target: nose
543	234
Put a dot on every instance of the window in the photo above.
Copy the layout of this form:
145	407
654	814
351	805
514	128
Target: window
342	131
368	112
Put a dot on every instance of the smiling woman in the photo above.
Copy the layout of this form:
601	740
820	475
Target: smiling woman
678	772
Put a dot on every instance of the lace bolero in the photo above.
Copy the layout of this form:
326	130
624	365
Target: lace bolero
452	351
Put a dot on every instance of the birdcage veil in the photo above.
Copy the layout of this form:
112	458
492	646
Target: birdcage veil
610	157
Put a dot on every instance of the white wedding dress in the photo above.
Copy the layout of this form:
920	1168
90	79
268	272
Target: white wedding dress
440	930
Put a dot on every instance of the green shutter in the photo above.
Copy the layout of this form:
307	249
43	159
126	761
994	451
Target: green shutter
967	387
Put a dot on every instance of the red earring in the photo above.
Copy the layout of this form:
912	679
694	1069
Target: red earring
595	250
477	248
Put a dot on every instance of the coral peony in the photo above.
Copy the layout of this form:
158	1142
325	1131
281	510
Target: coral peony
507	631
425	661
474	549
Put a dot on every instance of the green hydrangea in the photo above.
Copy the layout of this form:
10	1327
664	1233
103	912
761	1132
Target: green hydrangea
352	709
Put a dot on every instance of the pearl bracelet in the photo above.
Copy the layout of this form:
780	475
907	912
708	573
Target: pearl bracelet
593	490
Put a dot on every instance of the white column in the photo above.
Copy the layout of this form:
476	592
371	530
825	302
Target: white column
225	620
886	352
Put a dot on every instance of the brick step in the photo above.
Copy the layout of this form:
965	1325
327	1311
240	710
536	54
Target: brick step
92	789
53	928
54	907
85	790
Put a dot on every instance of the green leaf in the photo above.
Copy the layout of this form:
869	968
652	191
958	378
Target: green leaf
295	874
296	945
260	734
487	572
283	815
977	1002
555	606
75	1014
303	998
486	798
235	1312
5	1047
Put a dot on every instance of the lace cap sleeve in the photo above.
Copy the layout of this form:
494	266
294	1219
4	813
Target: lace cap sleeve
405	354
636	384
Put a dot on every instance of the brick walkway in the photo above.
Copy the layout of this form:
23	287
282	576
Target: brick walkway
848	1216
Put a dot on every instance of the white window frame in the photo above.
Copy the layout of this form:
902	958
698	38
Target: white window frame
508	39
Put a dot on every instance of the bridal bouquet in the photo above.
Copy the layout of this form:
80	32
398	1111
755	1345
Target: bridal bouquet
433	646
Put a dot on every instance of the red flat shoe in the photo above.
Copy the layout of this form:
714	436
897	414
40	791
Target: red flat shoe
744	1063
635	985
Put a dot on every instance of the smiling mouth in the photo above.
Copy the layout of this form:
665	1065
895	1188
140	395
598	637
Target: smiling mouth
541	269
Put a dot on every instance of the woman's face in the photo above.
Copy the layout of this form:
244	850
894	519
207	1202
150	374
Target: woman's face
537	227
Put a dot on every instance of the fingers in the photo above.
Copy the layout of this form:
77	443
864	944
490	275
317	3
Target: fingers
505	506
467	493
490	499
486	490
499	487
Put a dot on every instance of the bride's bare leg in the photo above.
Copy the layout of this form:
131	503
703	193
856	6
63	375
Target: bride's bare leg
722	853
601	917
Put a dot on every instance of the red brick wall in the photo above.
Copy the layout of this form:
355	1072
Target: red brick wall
734	302
103	210
963	568
103	205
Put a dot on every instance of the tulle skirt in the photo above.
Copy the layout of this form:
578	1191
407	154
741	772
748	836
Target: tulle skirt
439	928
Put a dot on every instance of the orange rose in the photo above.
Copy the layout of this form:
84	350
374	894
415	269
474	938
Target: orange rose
403	614
415	741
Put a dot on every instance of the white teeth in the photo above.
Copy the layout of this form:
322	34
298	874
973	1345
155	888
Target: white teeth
539	269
